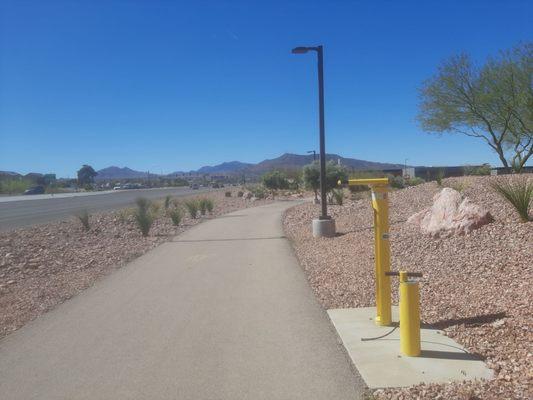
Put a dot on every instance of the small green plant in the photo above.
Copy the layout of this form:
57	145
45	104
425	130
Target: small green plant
176	216
84	219
143	216
440	176
518	193
192	208
338	196
168	199
202	204
227	194
210	204
240	193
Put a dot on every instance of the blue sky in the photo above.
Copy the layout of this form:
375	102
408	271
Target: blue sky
175	85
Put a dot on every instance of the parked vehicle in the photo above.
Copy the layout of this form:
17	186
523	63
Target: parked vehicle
194	186
35	190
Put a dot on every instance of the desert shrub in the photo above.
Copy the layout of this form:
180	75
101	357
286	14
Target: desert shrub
143	215
175	215
84	219
202	205
480	170
519	193
227	194
240	193
258	191
396	182
338	196
192	207
210	204
440	176
168	199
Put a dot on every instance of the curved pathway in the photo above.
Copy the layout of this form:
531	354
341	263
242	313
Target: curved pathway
222	312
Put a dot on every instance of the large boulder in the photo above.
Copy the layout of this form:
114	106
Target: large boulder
450	215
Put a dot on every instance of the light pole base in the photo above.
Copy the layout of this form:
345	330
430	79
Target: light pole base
323	227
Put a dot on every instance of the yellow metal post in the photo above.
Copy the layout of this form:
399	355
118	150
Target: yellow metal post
409	316
380	205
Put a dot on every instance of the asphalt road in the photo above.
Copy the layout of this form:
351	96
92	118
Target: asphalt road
19	212
223	312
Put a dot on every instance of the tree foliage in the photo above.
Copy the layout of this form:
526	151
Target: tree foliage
86	175
334	173
275	180
493	103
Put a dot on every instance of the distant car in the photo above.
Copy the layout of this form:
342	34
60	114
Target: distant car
117	188
194	186
215	186
35	190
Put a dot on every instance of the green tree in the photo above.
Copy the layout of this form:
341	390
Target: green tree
86	175
275	180
493	103
334	173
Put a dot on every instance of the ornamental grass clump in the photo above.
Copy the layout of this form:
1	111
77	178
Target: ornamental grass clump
143	215
210	204
202	204
176	216
192	207
168	199
519	193
84	219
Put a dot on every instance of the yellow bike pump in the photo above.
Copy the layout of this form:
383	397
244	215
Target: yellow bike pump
409	313
380	204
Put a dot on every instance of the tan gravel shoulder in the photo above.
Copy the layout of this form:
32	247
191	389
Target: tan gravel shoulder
44	265
476	287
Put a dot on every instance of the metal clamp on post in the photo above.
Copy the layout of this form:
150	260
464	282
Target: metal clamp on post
409	313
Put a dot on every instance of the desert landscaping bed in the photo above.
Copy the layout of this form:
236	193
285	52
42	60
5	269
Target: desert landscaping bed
42	266
476	287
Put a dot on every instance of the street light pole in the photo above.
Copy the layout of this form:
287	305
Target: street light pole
327	228
323	199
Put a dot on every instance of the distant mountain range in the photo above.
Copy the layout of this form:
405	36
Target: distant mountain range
286	161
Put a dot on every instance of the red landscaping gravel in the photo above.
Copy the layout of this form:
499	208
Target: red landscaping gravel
43	265
477	288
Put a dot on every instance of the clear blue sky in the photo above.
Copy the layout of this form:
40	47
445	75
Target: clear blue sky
174	85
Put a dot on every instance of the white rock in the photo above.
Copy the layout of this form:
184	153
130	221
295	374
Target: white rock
450	215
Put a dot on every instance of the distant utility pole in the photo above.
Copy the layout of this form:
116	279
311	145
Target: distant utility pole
314	154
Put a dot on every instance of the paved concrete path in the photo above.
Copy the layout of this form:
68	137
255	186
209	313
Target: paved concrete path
222	312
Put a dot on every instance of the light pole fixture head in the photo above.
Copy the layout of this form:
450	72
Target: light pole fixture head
300	50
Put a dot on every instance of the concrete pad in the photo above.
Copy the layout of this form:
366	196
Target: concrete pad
381	364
